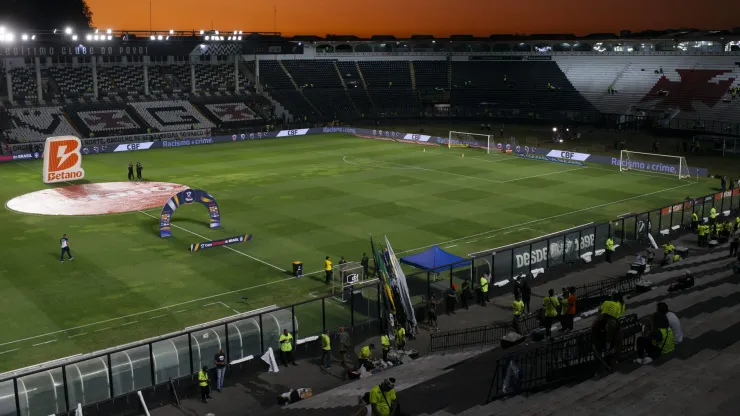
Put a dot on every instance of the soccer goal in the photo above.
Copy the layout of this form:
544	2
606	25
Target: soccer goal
474	140
668	165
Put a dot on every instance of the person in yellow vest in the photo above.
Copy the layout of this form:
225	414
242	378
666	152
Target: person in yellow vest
483	290
517	308
658	342
383	399
737	223
91	135
286	348
668	248
607	327
712	215
400	337
609	248
385	345
203	382
550	304
694	221
325	349
328	269
701	231
366	356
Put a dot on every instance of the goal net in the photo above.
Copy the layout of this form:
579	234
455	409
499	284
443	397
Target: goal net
474	140
667	165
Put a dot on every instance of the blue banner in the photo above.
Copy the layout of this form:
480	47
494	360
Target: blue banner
188	196
222	242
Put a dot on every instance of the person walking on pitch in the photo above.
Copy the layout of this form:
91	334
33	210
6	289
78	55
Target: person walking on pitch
64	242
327	269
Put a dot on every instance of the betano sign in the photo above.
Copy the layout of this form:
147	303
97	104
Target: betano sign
63	159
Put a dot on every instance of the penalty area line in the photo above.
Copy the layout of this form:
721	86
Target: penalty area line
226	247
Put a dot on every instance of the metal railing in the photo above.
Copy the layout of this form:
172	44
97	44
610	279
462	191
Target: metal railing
588	296
90	379
566	358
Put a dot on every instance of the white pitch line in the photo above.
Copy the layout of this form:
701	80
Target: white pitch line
78	335
130	323
42	343
454	245
156	317
5	352
226	247
184	310
146	312
544	174
229	307
102	329
547	218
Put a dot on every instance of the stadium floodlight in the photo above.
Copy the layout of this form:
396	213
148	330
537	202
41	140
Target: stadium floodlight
74	37
655	163
160	37
33	37
235	32
240	32
554	129
229	37
202	32
217	32
88	37
464	139
96	31
2	29
9	37
208	37
172	32
67	30
24	36
110	37
152	37
167	38
239	38
109	31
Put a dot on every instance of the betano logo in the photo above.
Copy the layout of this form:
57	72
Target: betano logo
62	159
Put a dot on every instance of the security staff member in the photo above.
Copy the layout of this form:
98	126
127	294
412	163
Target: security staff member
609	248
383	398
139	168
737	222
483	290
205	391
400	337
365	356
550	304
694	221
702	232
517	308
668	248
325	349
328	270
130	171
713	215
385	344
286	348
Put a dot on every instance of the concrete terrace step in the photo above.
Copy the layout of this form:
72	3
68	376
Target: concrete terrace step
407	375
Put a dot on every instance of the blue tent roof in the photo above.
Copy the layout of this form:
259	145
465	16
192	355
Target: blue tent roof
434	259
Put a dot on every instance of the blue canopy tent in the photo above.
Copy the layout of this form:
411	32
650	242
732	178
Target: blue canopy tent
435	260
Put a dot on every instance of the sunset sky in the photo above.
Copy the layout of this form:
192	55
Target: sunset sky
403	18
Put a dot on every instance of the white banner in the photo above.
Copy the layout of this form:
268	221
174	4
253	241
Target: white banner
563	154
133	146
297	132
417	137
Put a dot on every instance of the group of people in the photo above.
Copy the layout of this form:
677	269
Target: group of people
562	308
204	379
367	352
139	168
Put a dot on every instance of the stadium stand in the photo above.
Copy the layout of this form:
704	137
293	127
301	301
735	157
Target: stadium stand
171	115
24	83
279	84
211	78
431	74
122	80
389	86
72	81
158	80
36	124
104	120
352	79
230	113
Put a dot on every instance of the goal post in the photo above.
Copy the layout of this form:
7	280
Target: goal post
466	139
668	165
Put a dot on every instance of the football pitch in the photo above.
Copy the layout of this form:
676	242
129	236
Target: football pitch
301	199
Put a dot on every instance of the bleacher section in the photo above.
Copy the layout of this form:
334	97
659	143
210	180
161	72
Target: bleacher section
279	85
104	120
234	113
348	71
518	85
389	85
697	86
72	81
157	82
24	84
122	80
431	74
215	78
36	124
321	84
171	115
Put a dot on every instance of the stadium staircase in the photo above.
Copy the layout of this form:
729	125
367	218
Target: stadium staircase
364	87
413	75
346	90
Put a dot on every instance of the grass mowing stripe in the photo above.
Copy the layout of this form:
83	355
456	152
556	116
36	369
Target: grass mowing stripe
226	247
543	174
549	218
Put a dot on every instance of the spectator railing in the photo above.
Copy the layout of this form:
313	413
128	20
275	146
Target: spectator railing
566	358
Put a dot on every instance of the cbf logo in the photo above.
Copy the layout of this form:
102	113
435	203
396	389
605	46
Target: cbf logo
518	149
353	278
292	132
189	197
233	137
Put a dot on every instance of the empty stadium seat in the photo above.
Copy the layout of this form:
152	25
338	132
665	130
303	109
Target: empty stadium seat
171	115
37	123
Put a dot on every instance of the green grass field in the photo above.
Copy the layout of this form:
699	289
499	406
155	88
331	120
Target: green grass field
302	199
